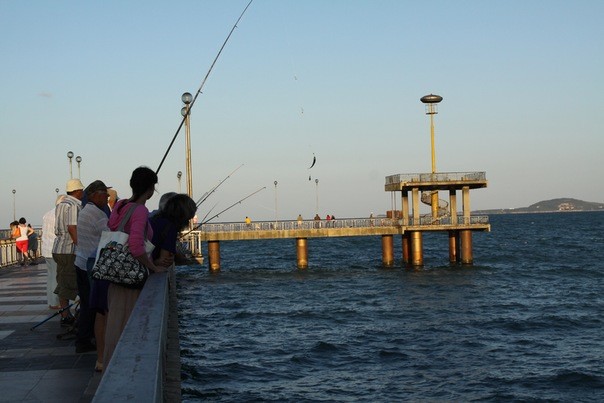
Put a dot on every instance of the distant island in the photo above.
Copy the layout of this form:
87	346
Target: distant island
549	206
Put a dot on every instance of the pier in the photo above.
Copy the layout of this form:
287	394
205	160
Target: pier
408	222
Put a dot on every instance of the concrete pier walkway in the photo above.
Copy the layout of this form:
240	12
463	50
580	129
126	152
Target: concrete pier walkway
36	366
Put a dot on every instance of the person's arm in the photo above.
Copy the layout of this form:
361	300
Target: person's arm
73	233
136	239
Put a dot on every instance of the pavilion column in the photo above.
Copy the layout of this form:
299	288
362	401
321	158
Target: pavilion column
387	250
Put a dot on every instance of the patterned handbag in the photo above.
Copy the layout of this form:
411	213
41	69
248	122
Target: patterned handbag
115	263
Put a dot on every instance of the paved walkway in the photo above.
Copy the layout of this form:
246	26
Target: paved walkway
36	366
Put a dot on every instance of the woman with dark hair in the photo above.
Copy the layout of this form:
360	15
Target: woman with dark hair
172	217
121	300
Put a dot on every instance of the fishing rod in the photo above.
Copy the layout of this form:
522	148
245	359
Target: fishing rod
201	86
231	206
207	194
208	213
216	215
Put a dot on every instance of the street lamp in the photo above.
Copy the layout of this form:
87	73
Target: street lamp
79	160
276	204
187	98
14	210
317	186
70	156
178	176
431	101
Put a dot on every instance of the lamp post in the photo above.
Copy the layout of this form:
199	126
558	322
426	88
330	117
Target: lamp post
431	101
14	209
276	204
57	192
186	112
70	156
317	188
79	160
178	176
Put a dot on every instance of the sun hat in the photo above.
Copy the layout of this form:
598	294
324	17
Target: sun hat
73	185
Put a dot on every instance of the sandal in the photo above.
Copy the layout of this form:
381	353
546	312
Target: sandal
98	367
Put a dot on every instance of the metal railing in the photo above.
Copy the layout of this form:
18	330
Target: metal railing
8	248
296	225
428	220
437	177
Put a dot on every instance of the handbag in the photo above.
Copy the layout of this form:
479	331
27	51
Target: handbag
114	261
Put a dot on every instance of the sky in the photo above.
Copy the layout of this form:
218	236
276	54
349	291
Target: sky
338	80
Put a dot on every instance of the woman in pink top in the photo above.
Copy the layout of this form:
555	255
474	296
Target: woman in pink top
121	300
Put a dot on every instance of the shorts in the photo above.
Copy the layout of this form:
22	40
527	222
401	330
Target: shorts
22	246
67	283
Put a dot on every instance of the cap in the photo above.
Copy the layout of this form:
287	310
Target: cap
73	185
96	186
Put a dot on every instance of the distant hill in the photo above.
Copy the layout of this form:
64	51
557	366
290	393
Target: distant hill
549	206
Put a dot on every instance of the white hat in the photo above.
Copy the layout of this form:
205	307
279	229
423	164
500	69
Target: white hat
73	185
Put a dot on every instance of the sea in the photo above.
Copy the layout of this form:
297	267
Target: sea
525	322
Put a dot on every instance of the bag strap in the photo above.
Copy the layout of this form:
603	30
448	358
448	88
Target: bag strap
126	218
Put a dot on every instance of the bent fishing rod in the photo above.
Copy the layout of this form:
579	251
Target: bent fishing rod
201	86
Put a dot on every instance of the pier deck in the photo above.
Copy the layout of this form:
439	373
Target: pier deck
35	365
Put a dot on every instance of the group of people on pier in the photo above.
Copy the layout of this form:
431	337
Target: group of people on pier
70	238
26	241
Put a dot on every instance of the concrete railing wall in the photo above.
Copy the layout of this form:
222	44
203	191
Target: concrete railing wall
137	371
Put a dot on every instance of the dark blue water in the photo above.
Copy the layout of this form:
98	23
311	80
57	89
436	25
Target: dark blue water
525	323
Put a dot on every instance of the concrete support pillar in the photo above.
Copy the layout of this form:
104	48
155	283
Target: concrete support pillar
302	253
453	247
453	206
415	205
465	192
405	206
214	255
406	244
417	252
466	247
387	250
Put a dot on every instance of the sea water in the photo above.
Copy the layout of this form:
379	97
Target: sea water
524	323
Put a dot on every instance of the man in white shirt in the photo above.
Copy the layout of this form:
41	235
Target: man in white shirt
63	249
48	238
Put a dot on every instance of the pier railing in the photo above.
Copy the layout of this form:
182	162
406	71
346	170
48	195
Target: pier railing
436	177
295	225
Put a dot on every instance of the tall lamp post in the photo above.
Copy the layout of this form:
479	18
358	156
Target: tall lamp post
79	160
57	192
317	188
70	156
431	101
276	204
186	112
14	208
178	176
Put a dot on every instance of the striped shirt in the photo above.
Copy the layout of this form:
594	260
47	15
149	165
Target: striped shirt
91	222
66	213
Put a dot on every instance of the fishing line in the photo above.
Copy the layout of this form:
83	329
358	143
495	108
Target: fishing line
201	86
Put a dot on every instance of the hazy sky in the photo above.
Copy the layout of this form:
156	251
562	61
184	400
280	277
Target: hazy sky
521	82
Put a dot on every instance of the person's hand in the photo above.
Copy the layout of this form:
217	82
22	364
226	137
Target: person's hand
159	269
166	260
